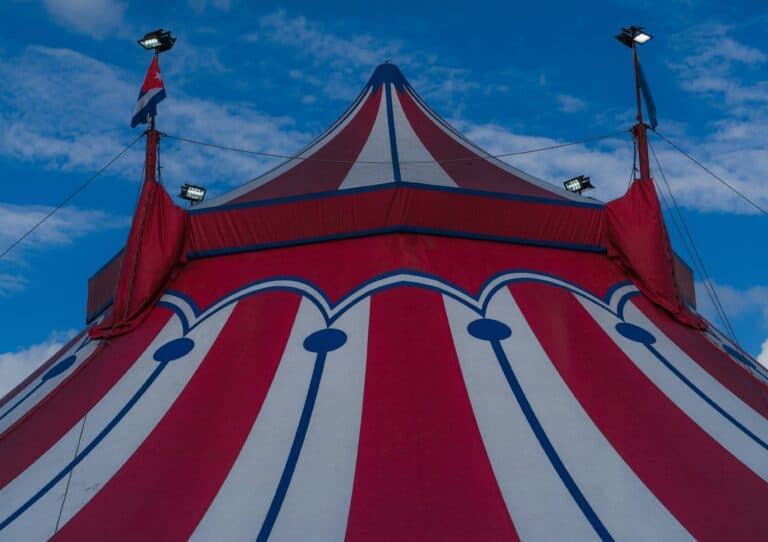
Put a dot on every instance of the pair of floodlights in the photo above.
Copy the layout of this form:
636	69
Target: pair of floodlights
161	40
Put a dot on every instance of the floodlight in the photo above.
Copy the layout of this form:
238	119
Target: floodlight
160	40
192	193
578	184
633	34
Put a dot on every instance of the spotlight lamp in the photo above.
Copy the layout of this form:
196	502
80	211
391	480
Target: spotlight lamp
633	34
193	194
579	184
158	40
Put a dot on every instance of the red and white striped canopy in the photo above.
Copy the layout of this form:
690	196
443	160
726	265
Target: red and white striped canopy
390	385
389	135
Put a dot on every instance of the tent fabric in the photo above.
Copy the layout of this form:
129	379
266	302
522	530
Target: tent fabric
155	246
394	358
400	386
390	135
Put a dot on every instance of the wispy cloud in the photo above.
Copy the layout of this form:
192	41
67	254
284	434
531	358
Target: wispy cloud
16	365
762	357
751	302
570	104
201	6
45	83
95	18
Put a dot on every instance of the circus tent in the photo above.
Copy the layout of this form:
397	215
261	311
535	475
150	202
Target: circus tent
391	336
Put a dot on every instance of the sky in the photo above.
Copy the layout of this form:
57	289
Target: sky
511	75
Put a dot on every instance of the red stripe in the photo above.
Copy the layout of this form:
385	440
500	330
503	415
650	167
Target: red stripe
40	370
310	176
422	471
717	363
24	442
164	489
709	491
475	172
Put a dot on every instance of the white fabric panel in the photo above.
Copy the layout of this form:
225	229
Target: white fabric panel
316	506
107	458
309	150
411	149
474	149
704	415
623	503
376	149
530	486
238	510
728	401
16	408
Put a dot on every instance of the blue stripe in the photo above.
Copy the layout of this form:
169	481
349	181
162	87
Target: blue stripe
293	456
546	444
26	396
392	137
88	449
706	398
396	229
387	186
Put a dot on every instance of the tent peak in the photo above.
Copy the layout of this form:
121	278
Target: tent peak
387	73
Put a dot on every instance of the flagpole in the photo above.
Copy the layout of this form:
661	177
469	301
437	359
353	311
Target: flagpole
153	140
640	130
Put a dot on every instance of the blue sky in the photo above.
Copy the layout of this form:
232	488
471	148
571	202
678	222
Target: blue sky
512	76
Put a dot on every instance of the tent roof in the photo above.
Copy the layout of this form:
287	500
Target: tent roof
390	135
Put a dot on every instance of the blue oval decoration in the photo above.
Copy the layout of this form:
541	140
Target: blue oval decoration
635	333
174	349
325	340
59	367
487	329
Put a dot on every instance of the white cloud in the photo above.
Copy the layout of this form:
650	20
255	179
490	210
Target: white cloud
11	284
17	365
45	83
200	6
569	104
95	18
751	301
762	357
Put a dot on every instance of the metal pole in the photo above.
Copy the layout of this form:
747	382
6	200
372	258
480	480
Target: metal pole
639	130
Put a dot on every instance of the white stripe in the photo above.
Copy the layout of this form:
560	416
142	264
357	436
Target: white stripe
474	149
106	458
238	510
307	152
317	504
715	424
623	503
16	410
142	102
410	149
376	149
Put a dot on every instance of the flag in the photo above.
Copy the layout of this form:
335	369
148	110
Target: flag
650	107
152	92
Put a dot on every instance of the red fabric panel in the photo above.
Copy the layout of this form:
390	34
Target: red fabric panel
475	172
102	286
30	437
400	206
713	360
685	283
422	471
155	245
639	242
709	491
40	370
164	489
311	176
